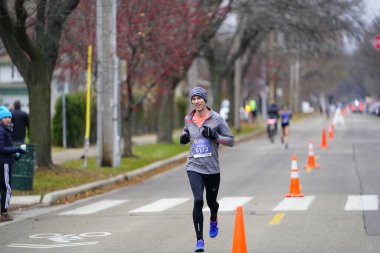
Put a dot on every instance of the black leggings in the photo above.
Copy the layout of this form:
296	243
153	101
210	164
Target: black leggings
198	182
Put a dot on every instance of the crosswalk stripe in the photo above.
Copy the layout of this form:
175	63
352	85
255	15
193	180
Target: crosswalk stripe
229	204
362	203
95	207
160	205
294	204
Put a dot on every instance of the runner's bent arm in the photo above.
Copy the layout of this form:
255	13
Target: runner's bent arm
224	134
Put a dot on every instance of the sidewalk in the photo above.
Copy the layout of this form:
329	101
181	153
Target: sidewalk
76	153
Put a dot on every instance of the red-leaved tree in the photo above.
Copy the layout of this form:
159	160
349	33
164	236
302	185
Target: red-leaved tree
159	41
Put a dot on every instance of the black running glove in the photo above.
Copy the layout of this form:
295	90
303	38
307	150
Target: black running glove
16	156
208	132
184	139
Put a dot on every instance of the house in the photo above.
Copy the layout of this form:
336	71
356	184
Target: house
12	86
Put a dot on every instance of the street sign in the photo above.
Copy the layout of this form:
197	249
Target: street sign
376	42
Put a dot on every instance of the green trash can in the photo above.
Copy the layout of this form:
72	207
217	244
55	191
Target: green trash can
23	170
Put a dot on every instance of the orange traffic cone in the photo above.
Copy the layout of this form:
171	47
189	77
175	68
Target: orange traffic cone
331	131
295	189
311	158
324	141
239	245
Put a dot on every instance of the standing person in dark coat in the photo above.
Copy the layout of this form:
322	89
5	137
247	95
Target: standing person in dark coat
20	120
8	153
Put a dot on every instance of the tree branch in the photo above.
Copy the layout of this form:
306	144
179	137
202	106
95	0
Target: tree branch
20	30
40	24
56	15
11	43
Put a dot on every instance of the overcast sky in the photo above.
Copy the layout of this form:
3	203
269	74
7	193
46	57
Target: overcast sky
372	9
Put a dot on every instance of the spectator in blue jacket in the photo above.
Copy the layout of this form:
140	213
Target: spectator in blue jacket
8	153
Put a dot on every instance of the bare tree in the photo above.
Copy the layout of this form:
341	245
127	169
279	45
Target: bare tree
31	31
366	60
305	24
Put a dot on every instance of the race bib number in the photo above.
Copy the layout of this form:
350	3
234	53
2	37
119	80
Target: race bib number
201	148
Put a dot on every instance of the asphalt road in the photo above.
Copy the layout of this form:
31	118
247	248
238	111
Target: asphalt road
339	212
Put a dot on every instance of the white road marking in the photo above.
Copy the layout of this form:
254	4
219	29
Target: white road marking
49	246
294	204
95	207
229	204
160	205
362	203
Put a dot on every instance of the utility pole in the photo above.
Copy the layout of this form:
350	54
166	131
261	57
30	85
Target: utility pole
272	70
116	90
264	87
291	86
294	90
296	84
64	118
108	151
237	88
99	82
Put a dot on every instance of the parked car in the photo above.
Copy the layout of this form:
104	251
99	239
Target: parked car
374	108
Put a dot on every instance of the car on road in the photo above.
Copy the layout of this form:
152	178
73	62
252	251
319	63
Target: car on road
357	106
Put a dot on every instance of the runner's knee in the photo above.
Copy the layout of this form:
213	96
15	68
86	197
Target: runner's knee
198	203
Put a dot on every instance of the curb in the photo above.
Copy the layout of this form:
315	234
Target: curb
17	201
51	197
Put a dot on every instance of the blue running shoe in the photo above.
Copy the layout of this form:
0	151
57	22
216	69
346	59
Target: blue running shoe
200	247
213	229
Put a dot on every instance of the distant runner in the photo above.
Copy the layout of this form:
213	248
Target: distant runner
205	130
286	115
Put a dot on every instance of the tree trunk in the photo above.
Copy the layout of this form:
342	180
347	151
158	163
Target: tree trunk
33	48
127	136
216	83
165	121
126	112
39	105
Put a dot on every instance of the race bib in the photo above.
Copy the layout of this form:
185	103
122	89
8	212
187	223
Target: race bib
201	148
